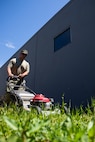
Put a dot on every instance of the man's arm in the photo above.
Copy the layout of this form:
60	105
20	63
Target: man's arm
9	72
9	67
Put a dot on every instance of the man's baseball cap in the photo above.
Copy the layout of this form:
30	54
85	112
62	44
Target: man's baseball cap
24	52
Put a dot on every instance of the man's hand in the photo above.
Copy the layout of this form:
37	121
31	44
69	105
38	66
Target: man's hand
11	75
21	75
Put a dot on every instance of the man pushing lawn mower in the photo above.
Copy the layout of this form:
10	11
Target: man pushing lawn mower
17	92
17	69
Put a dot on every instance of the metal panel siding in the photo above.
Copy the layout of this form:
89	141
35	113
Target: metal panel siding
70	70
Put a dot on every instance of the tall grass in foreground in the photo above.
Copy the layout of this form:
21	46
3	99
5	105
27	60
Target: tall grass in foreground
18	125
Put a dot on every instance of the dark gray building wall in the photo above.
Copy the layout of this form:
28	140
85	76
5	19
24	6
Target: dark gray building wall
71	69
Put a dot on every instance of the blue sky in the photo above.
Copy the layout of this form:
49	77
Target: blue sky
21	19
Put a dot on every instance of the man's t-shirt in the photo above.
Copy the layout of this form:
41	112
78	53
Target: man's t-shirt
18	67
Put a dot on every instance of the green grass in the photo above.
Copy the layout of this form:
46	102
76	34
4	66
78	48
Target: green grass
18	125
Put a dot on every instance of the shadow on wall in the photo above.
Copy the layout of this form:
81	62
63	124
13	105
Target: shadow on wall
3	77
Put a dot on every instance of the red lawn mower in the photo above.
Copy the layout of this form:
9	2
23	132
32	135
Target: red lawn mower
42	103
24	96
